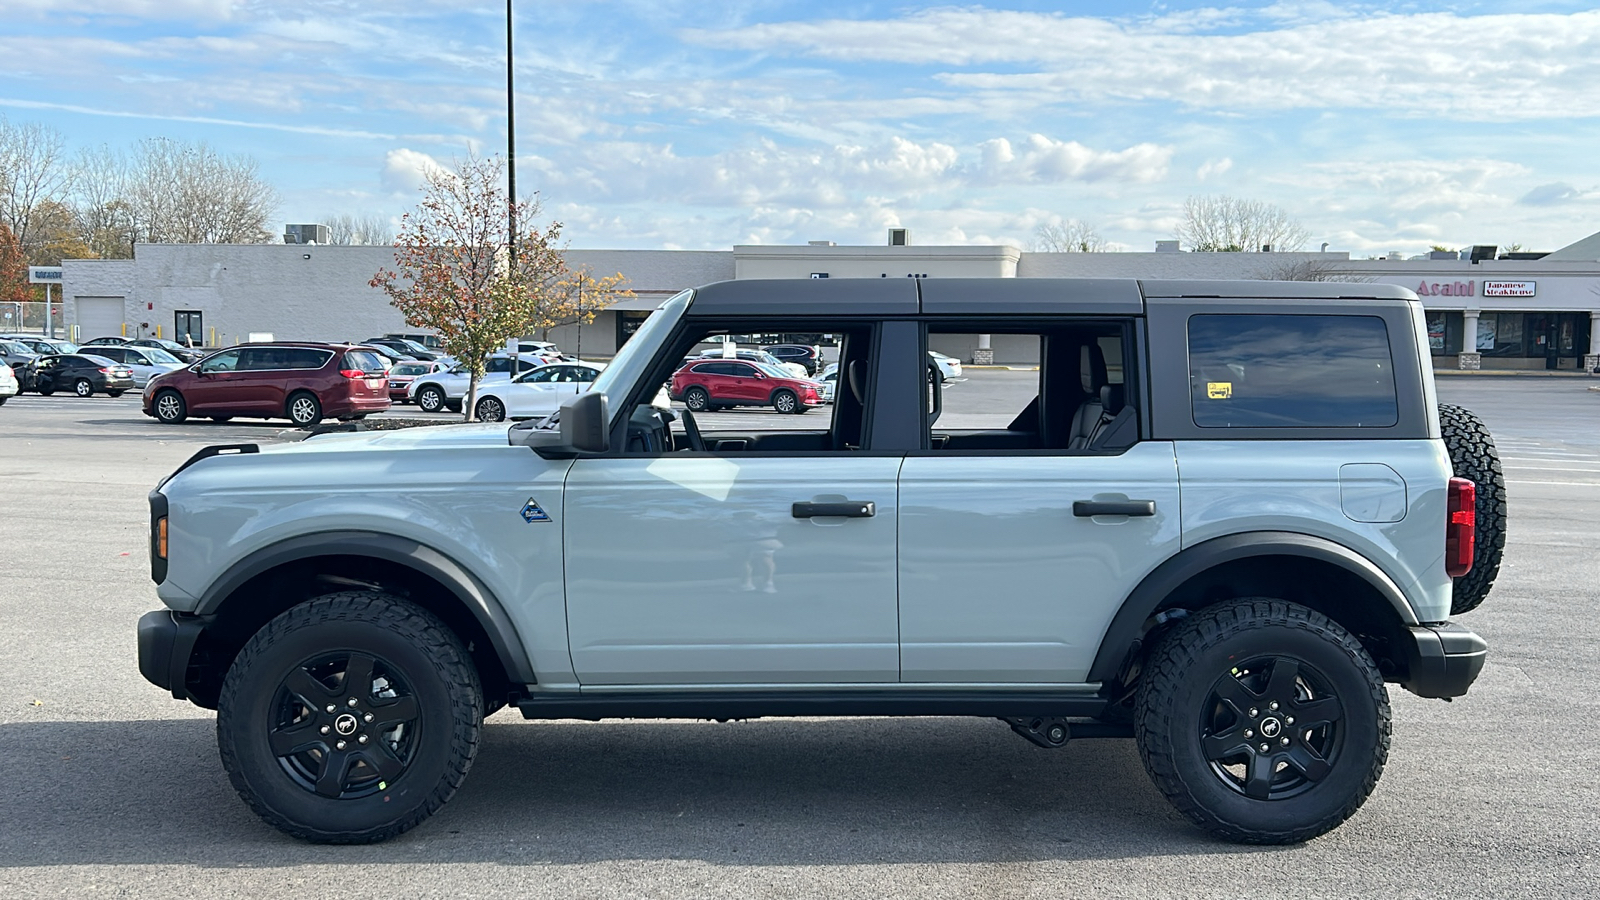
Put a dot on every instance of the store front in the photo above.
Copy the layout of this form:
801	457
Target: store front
1511	340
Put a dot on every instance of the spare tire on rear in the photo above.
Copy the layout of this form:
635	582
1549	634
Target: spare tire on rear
1472	455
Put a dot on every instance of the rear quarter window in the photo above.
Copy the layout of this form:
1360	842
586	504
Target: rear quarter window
1291	371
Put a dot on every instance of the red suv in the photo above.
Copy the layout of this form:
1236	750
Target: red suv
715	383
303	383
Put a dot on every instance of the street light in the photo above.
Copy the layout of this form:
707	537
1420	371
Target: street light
511	141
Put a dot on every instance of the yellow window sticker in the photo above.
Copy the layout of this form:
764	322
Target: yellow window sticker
1219	390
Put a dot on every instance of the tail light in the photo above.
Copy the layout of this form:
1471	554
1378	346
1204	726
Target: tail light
352	373
104	371
1460	527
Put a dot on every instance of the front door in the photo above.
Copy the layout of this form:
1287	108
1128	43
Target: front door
700	569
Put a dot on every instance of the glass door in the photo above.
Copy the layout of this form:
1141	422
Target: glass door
187	328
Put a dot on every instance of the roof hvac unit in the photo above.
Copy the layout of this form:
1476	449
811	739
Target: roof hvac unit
306	234
899	237
1482	252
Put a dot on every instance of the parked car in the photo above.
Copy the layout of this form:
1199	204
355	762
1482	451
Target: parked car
19	357
721	383
430	341
808	357
829	379
536	393
301	382
448	389
184	354
43	346
107	341
388	355
949	366
9	386
81	373
145	362
404	347
402	374
760	357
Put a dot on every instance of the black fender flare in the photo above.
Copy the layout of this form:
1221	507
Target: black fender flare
1128	625
472	593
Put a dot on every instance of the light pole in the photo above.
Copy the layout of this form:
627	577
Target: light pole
511	141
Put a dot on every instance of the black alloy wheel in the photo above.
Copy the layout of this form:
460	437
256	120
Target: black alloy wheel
490	409
304	409
696	399
83	387
170	408
785	401
430	399
349	718
1262	721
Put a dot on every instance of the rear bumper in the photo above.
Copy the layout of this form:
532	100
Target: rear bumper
1445	659
166	642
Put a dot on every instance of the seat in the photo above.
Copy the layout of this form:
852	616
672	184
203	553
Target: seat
1092	371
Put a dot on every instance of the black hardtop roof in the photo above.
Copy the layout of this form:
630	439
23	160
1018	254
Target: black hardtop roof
990	296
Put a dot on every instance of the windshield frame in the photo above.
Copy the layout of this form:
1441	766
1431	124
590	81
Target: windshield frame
628	366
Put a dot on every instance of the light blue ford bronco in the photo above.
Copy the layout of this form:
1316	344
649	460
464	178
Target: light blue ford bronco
1216	517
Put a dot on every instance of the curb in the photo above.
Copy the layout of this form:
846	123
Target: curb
966	366
1509	373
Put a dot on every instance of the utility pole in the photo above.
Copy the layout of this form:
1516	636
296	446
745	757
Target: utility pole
511	140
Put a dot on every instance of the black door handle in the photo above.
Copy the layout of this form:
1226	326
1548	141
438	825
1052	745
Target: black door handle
849	509
1086	508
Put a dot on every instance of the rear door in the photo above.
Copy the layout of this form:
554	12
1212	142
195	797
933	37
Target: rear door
1015	550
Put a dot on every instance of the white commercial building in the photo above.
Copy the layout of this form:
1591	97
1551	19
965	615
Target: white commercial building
1534	311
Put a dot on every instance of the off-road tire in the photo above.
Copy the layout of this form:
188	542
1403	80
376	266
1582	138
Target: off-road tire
428	657
430	399
697	400
170	407
1473	455
83	387
1175	701
303	409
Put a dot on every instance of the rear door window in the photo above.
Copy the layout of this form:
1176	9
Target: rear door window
1291	371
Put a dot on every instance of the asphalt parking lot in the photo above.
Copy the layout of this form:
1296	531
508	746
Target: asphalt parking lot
110	789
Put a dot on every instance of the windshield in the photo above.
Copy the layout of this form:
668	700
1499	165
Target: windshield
628	365
158	356
774	371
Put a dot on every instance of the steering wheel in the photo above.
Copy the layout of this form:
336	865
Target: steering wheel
691	431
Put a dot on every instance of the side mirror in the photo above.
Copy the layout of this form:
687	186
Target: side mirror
586	423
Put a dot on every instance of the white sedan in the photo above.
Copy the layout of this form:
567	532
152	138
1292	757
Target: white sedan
448	389
949	366
536	393
145	362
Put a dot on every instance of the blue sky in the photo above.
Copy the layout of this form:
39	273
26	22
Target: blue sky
701	125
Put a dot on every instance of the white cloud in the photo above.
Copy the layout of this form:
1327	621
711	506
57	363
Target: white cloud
187	10
1442	64
1411	186
406	170
1213	167
1043	160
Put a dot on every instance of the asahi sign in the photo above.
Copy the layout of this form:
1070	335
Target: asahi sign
1509	288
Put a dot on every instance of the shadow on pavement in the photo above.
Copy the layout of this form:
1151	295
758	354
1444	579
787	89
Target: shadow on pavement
746	793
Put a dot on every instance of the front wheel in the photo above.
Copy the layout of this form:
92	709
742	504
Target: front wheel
785	402
305	409
430	399
83	387
1262	721
490	409
170	408
350	718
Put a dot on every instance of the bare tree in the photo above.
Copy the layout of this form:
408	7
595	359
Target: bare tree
1228	224
33	171
1311	270
189	194
105	217
345	229
1067	236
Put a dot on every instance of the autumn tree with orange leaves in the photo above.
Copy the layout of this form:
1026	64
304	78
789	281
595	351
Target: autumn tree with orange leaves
13	269
455	273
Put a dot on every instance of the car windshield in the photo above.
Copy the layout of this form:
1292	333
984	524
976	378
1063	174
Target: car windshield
63	346
159	356
774	371
15	348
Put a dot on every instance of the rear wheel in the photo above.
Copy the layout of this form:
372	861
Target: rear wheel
304	409
83	387
490	409
430	399
350	718
1473	455
170	409
1263	721
696	399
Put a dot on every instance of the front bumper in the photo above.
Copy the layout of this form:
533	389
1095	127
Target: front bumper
166	643
1444	660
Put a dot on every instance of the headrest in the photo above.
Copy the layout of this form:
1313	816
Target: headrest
1111	399
856	374
1092	366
